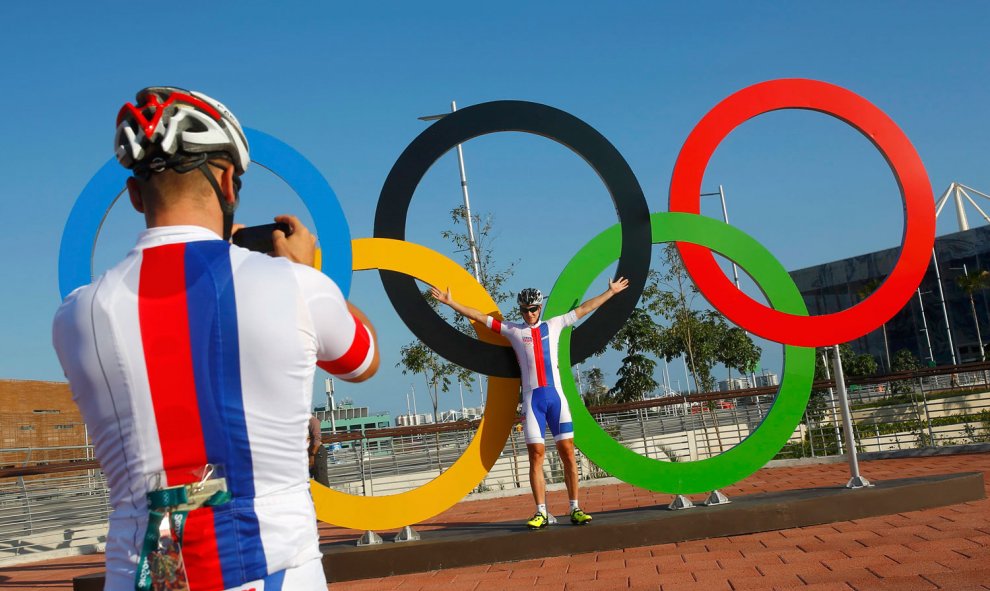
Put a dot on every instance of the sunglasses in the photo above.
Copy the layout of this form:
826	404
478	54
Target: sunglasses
530	309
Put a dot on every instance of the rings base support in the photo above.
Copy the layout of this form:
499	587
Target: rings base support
717	497
858	482
680	502
407	534
369	538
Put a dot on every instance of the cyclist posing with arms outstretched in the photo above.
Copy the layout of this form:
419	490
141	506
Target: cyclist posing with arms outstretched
535	345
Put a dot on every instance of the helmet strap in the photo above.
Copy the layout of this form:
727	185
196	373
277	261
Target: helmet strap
227	208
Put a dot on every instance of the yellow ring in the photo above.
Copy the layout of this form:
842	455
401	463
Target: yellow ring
444	491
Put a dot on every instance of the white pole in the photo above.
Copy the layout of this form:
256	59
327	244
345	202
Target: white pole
666	379
460	388
960	211
333	419
725	218
467	206
687	378
831	401
856	480
945	311
924	324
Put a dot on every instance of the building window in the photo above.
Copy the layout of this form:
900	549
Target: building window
65	426
27	427
42	411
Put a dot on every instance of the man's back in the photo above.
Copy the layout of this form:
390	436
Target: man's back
192	352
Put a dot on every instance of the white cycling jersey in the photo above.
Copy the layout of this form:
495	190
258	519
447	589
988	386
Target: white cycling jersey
535	348
191	352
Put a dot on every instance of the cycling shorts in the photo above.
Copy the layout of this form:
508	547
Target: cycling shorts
544	407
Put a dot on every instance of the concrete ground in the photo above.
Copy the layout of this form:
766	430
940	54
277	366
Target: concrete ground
945	548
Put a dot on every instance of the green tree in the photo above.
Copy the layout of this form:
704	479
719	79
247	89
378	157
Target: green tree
970	283
493	278
853	365
639	336
904	360
416	357
866	291
596	392
703	337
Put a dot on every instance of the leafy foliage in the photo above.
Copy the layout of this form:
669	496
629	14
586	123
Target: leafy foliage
640	335
416	357
853	365
596	392
704	337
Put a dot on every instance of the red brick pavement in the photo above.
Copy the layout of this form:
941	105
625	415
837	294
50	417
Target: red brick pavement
945	548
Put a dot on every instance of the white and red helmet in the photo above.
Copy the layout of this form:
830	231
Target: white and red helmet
175	128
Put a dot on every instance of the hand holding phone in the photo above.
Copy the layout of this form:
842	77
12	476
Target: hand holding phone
259	238
300	247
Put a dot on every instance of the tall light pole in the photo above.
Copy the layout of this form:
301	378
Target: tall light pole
333	420
945	311
924	329
725	218
475	262
735	268
472	245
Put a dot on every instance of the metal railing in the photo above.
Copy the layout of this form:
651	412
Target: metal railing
51	505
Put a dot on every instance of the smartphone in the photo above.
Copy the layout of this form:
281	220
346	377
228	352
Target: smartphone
259	238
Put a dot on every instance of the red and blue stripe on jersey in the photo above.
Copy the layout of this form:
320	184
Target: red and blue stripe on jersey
188	317
542	356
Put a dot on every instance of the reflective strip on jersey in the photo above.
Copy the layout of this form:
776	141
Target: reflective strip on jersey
357	359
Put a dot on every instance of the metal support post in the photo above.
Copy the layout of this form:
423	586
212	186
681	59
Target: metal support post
945	311
406	534
680	502
717	497
924	325
831	401
369	538
856	481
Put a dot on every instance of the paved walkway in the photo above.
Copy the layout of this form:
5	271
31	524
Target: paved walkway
945	548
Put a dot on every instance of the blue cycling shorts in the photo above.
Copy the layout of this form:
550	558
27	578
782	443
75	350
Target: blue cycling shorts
546	407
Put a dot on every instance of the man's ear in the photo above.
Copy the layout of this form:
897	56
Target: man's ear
227	184
134	192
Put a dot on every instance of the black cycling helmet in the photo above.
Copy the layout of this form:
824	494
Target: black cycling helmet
530	297
172	128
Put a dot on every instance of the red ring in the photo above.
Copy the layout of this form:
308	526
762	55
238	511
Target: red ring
916	192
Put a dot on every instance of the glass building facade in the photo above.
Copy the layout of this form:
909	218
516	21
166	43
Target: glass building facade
933	317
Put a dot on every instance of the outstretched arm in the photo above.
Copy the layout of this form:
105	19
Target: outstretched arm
591	305
468	312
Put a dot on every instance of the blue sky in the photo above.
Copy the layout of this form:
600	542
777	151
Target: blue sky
345	85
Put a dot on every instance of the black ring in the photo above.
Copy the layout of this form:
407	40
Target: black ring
458	127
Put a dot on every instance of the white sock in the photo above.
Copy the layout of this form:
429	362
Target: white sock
574	504
541	508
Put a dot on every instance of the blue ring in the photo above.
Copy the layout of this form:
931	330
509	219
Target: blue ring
75	257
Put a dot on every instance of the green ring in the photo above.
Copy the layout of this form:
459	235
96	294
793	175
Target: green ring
792	397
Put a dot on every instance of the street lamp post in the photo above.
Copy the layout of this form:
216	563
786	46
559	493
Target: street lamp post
735	268
924	329
472	245
945	311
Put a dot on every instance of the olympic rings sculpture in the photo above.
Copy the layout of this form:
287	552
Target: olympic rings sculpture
630	242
